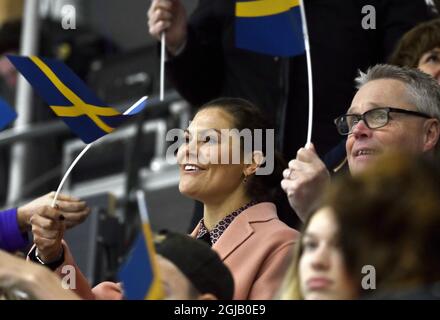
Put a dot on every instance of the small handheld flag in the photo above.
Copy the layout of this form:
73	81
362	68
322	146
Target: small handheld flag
140	274
277	28
7	114
137	107
69	97
272	27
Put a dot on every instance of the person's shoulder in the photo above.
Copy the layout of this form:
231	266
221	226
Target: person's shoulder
267	223
282	230
274	236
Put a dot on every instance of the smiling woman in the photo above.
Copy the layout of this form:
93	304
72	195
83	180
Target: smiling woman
240	220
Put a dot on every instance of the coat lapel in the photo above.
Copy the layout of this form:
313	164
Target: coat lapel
237	233
241	228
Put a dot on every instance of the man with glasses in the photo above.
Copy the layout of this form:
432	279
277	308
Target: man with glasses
394	108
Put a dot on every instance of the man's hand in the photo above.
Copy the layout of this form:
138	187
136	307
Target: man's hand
48	230
305	181
74	210
168	16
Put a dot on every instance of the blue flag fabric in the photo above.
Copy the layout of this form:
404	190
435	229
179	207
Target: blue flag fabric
7	114
140	274
70	98
271	27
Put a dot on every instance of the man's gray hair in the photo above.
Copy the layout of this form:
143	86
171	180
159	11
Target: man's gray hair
423	90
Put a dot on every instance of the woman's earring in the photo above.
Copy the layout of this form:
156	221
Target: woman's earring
245	179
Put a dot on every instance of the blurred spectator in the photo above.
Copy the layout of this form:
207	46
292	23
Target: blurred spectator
191	270
389	217
318	271
384	220
394	108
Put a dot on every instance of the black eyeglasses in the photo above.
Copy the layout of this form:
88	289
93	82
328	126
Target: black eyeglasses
375	118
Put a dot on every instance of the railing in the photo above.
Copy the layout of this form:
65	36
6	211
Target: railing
172	104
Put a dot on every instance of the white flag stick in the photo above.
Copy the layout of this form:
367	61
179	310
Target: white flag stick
162	66
68	172
142	205
87	147
309	70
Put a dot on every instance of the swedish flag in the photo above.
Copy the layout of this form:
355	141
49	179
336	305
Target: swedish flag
140	274
272	27
68	96
7	115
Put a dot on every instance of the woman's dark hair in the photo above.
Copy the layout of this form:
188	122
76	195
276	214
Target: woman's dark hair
416	42
389	217
247	116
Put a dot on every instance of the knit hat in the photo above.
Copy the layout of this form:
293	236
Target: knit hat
198	262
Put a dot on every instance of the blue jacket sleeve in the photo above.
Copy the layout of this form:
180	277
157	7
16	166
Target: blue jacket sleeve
11	238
